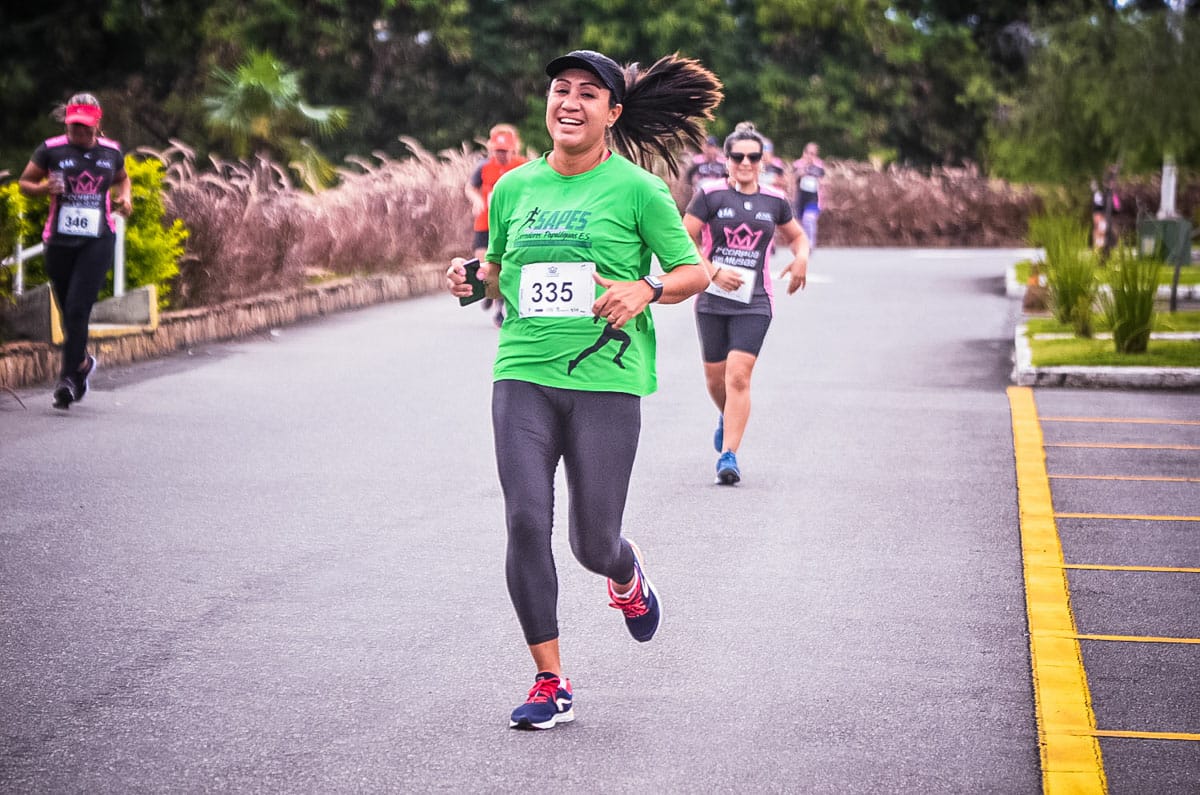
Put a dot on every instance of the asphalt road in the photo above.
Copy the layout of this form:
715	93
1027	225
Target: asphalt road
277	564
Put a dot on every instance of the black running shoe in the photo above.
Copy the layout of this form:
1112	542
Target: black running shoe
80	378
64	394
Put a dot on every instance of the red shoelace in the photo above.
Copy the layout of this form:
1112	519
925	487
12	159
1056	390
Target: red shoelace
543	690
633	605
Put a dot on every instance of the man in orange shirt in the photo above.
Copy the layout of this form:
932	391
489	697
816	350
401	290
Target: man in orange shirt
503	156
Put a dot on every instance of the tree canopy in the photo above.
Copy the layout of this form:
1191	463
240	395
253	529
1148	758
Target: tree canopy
1025	87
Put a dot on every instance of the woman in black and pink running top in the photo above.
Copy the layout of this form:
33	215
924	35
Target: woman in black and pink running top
83	173
734	223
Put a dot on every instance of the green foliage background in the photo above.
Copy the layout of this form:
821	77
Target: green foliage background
926	82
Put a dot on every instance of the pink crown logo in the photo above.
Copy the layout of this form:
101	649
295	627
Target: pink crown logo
84	183
743	238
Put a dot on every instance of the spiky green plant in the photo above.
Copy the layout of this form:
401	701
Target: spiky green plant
1129	307
1070	268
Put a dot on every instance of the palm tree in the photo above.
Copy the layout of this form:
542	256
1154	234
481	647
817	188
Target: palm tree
258	108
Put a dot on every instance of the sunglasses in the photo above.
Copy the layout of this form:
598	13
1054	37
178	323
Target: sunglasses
738	157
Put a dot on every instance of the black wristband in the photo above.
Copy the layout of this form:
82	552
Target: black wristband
656	285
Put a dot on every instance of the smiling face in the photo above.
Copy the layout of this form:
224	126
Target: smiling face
745	173
578	112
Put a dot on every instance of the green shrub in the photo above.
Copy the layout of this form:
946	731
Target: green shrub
1130	306
21	218
152	250
1070	268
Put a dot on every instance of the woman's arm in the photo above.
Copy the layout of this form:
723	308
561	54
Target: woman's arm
123	185
797	241
33	181
723	277
682	282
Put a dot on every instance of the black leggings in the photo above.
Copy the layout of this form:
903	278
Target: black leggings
77	274
596	436
720	334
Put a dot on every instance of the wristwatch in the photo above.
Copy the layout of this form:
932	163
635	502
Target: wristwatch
656	284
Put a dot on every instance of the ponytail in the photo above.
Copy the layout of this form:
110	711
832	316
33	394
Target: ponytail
664	109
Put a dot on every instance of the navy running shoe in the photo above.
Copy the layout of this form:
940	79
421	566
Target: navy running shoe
64	393
719	436
548	704
80	378
727	469
642	610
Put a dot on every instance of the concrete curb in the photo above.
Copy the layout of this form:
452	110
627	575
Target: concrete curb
26	364
1025	374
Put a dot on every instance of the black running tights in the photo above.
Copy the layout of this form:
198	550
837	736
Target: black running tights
595	434
77	274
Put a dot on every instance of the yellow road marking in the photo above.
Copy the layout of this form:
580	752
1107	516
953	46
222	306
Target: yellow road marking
1125	477
1099	567
1071	759
1128	638
1148	735
1139	639
1124	446
1122	420
1128	516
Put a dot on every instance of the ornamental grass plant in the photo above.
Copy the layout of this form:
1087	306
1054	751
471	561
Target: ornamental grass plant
1070	268
253	231
1129	305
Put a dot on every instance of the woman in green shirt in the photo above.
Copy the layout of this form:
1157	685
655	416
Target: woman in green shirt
571	238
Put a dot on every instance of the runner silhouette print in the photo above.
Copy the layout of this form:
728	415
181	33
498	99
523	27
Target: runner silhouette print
608	333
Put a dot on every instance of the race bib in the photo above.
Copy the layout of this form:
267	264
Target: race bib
557	289
79	221
809	184
742	294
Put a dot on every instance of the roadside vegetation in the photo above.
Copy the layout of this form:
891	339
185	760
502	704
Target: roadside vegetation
1103	313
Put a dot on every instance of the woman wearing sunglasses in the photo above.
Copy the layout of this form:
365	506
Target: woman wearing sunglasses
734	224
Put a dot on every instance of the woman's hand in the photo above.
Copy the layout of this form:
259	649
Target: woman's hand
621	301
123	205
727	279
798	271
456	277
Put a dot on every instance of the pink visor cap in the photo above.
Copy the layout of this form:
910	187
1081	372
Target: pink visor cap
83	114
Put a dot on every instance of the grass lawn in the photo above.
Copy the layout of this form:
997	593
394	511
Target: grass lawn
1188	274
1076	352
1100	353
1163	321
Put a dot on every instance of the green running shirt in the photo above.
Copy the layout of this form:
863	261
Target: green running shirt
615	215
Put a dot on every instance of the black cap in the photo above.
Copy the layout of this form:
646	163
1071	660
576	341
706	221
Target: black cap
603	67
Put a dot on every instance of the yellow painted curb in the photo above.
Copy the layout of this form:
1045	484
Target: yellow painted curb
1071	759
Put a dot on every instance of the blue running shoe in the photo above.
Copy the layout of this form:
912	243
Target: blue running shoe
642	610
727	469
548	704
719	436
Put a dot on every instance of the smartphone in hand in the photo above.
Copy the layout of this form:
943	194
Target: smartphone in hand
477	284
